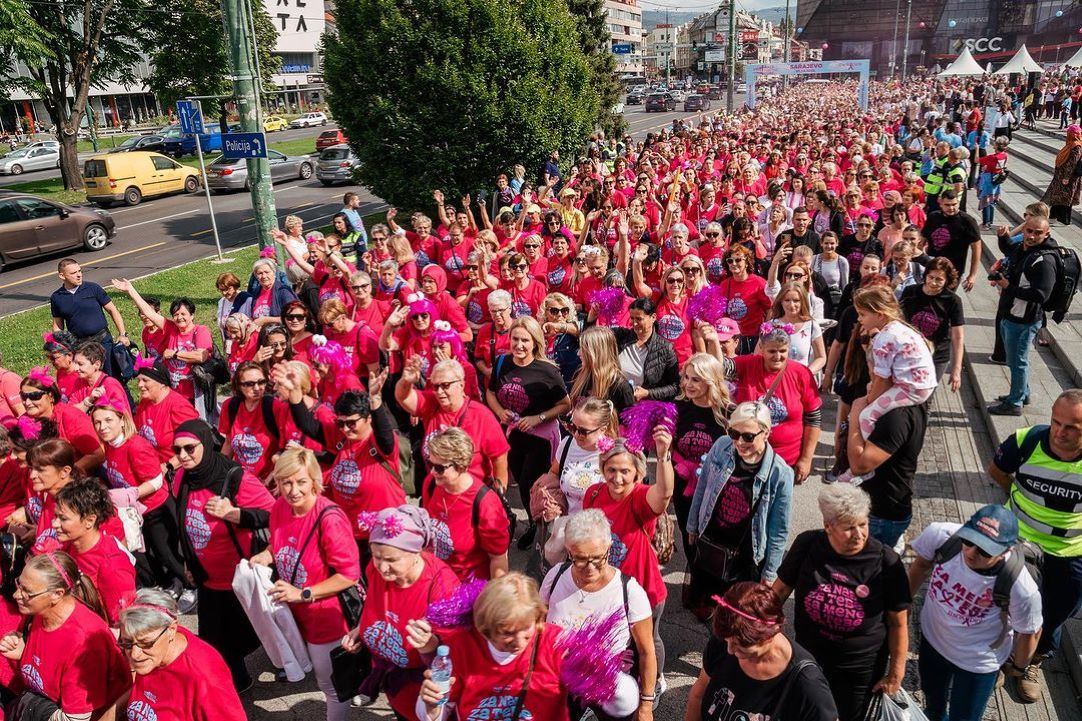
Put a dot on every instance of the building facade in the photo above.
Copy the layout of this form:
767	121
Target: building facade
625	25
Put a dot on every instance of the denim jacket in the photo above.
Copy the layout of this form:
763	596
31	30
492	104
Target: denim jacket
770	525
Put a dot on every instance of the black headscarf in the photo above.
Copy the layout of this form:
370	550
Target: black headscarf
213	469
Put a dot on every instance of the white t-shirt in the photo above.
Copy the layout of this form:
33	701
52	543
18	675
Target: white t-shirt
632	359
569	607
959	617
580	470
800	342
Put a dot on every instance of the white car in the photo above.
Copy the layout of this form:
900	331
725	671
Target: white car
54	144
308	120
23	159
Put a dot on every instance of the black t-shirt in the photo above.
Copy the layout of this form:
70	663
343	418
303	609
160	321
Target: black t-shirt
732	513
527	390
899	432
950	237
731	695
696	430
840	600
854	252
933	316
810	239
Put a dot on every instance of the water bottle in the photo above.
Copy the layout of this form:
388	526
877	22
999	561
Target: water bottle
441	671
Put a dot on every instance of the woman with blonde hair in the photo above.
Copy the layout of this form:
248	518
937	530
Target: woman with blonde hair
560	323
600	375
402	253
694	274
792	313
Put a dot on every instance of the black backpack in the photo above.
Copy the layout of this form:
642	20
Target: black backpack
1068	274
485	489
405	473
233	405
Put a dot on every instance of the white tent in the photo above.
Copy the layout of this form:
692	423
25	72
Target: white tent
988	68
1022	62
964	64
1075	60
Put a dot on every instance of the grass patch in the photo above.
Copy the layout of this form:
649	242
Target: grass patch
22	331
50	188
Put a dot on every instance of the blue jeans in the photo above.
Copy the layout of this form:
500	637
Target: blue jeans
988	214
1017	344
1061	597
942	682
887	532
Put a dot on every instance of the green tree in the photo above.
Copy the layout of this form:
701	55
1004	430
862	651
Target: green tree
596	41
449	93
78	44
191	24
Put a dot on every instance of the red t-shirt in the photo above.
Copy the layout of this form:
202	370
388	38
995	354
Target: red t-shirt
157	422
67	382
387	610
585	289
153	340
77	665
528	300
748	304
288	432
43	506
559	272
452	258
112	569
476	420
484	350
633	522
209	536
252	442
476	308
672	324
196	686
304	557
357	481
361	345
712	257
796	394
241	352
197	338
132	463
14	478
331	288
466	548
492	691
75	427
374	316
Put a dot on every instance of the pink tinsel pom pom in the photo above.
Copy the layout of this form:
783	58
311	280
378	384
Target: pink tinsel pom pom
29	427
367	520
392	526
708	305
605	444
640	419
267	253
609	302
592	657
456	610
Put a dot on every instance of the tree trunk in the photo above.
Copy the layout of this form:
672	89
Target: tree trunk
69	161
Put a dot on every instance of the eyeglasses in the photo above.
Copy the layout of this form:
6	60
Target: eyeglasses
559	311
27	595
129	644
498	311
343	423
32	395
595	561
795	276
445	386
303	317
186	450
980	551
734	261
746	437
360	286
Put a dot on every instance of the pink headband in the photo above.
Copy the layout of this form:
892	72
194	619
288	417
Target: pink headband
112	404
189	436
755	619
60	569
143	362
41	375
153	607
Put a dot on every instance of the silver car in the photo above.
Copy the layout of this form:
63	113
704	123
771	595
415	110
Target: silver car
19	161
227	174
336	165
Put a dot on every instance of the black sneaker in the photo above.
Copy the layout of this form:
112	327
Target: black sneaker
997	361
526	540
1003	399
1004	409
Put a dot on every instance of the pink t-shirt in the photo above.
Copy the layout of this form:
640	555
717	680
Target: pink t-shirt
197	337
112	569
796	394
476	420
633	523
157	422
464	547
132	463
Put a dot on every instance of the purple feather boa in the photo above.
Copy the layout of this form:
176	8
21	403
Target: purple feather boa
455	611
640	419
609	302
592	658
708	305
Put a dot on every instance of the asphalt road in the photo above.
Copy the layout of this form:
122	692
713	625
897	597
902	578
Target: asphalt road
166	232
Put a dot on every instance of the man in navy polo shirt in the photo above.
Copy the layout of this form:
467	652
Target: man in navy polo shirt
77	307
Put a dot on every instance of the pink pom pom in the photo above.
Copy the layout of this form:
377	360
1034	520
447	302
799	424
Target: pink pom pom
392	526
593	658
456	610
29	427
41	375
640	420
267	253
708	305
605	444
367	520
609	302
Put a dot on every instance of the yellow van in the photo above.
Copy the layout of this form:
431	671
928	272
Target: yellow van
130	177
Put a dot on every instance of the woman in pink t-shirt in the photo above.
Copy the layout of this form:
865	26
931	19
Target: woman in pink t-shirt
94	385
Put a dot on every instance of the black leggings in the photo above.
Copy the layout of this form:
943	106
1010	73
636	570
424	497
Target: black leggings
224	625
529	457
162	538
682	504
851	684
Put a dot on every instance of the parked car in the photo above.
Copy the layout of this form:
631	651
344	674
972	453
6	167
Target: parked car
696	102
19	161
229	174
130	177
54	144
635	98
336	165
32	226
308	120
329	138
183	144
152	143
661	102
272	123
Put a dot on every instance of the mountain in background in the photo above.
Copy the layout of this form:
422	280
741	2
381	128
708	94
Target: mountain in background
652	18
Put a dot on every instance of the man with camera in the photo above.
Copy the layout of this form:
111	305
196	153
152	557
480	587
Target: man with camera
1025	288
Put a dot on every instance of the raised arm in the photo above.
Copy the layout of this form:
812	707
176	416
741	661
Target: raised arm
124	285
300	260
661	492
441	208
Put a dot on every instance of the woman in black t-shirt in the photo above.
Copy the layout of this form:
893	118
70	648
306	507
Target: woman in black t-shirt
935	310
852	601
751	670
527	395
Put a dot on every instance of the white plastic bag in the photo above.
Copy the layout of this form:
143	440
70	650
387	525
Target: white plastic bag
900	707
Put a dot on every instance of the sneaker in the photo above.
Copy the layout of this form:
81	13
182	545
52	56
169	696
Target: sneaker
361	700
1029	683
187	601
997	361
899	547
1004	409
1003	399
830	477
661	687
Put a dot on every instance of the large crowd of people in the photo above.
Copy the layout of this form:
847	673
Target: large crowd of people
336	465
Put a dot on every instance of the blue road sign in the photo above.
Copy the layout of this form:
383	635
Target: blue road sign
191	120
622	48
244	145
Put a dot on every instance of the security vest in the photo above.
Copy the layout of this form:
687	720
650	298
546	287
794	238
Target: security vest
937	177
1046	496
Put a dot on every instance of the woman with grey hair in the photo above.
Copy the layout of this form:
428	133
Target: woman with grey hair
269	288
587	586
852	601
178	676
494	338
390	285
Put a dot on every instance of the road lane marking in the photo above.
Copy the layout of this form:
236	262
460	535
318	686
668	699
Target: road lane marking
96	261
157	220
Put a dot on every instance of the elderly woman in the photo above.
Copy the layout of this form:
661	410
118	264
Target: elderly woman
241	341
852	601
739	517
1065	186
176	672
312	550
494	338
594	587
750	668
646	360
271	295
789	392
935	310
71	666
232	300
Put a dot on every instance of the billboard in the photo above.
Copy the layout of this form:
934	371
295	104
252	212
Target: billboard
299	24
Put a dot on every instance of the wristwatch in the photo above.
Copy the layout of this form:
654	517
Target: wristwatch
541	417
306	595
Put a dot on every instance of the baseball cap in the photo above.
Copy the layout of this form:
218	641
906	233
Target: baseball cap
727	328
993	529
568	192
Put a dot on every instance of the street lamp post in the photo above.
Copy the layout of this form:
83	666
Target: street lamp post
905	52
894	42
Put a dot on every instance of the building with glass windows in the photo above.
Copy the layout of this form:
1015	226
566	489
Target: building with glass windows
938	30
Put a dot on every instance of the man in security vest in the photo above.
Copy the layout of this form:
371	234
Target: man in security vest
1040	467
936	179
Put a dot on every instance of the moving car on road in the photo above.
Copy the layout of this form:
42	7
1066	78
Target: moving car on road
336	165
130	177
308	120
228	174
274	122
19	161
635	97
32	226
696	102
660	102
152	143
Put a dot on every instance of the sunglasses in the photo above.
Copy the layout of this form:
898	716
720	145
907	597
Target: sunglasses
421	316
185	450
559	311
745	437
674	281
692	270
359	286
343	423
980	551
279	345
795	276
439	467
471	267
712	235
445	386
865	225
303	317
520	266
531	245
253	384
578	430
734	261
129	644
32	395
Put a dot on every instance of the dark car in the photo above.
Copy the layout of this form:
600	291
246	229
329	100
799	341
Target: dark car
693	103
716	92
661	102
153	143
635	98
32	226
330	138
